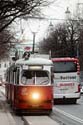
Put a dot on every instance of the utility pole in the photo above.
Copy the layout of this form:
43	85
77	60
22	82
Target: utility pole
33	47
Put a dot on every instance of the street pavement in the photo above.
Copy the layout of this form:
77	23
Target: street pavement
6	119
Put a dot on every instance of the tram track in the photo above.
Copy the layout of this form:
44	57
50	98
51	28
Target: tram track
39	120
34	119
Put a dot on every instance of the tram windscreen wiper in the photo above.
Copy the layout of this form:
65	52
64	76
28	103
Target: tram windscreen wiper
44	82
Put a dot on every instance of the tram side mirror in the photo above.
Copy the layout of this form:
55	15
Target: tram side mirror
13	58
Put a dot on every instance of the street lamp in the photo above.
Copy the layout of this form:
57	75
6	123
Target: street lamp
51	26
68	13
77	49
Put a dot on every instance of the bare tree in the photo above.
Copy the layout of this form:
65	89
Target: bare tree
6	42
63	40
12	9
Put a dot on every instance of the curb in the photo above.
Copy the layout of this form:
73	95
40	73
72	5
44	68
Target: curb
25	121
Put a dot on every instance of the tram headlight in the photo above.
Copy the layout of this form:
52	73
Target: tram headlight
35	96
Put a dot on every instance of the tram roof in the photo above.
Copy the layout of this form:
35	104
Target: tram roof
34	61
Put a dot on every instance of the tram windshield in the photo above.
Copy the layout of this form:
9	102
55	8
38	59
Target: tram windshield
35	77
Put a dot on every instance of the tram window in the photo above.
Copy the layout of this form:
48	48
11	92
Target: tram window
16	75
27	77
12	77
35	77
42	77
9	76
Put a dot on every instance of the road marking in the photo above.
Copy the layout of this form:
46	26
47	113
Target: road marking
69	115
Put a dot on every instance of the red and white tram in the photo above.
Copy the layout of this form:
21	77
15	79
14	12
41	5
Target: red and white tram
29	85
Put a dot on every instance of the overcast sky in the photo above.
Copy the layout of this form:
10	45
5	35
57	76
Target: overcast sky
56	10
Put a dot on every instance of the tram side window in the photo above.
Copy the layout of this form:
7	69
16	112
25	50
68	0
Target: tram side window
8	76
12	77
17	76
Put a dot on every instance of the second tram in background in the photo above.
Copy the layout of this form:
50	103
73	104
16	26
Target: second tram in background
29	85
66	79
